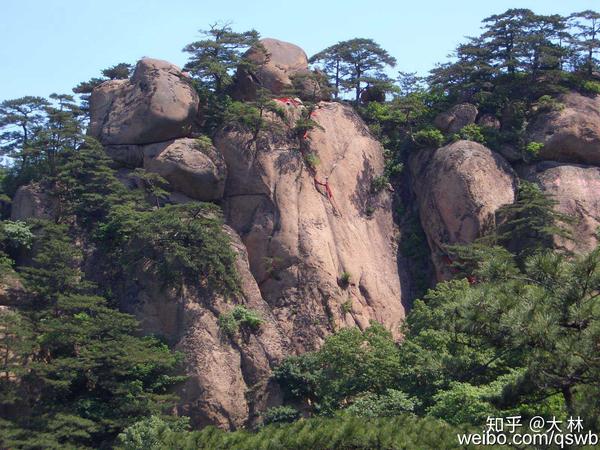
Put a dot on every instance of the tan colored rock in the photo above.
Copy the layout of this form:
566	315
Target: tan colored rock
32	202
299	240
571	134
459	188
193	169
229	378
489	121
576	188
156	105
279	62
457	117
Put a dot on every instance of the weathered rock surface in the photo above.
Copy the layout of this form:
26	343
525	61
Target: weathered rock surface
32	201
278	63
455	118
459	187
228	382
571	134
156	105
193	169
576	188
489	121
300	240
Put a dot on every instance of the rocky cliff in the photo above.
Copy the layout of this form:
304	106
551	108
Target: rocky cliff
315	244
315	241
460	187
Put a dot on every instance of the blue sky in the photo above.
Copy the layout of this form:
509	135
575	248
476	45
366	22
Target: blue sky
50	45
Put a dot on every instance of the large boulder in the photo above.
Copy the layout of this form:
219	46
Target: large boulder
32	202
570	133
455	118
228	382
157	104
576	189
321	243
191	167
281	66
459	188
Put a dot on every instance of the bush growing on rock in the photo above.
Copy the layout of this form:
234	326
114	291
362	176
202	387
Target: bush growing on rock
470	132
428	138
240	317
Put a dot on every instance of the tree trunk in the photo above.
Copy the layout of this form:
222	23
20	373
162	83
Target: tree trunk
568	397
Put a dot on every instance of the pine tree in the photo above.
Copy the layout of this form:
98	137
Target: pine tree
83	374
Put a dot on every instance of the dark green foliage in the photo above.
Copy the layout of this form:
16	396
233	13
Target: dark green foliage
240	318
253	116
213	59
280	414
392	403
350	362
86	186
345	432
212	63
379	183
81	374
352	64
147	434
428	138
176	243
35	133
531	222
470	132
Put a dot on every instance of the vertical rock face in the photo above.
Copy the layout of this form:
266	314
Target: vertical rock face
306	231
576	188
31	201
318	243
459	188
157	104
228	382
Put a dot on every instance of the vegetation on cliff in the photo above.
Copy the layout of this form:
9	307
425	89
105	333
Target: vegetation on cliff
515	332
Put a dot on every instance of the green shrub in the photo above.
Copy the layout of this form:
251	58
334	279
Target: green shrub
392	403
347	307
281	414
147	434
591	87
379	183
471	132
312	160
429	137
345	279
239	317
548	103
305	124
204	143
15	234
532	149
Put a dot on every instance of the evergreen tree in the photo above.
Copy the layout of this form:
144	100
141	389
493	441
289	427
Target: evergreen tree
330	61
82	374
355	62
214	59
586	37
20	121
